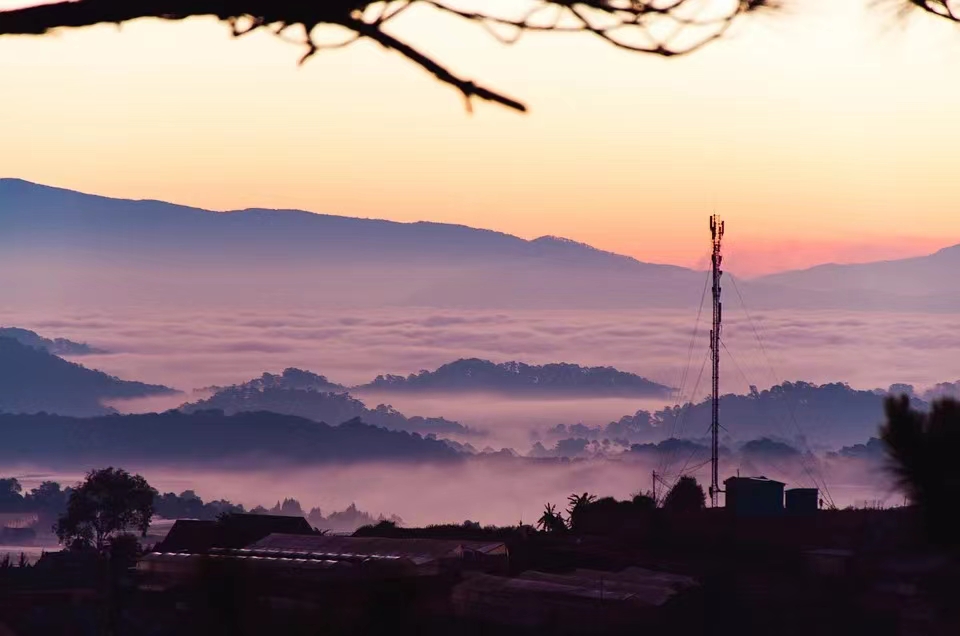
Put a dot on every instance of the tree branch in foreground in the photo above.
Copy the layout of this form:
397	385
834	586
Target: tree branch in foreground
658	27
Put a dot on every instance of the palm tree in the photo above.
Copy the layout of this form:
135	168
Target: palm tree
578	504
922	450
551	520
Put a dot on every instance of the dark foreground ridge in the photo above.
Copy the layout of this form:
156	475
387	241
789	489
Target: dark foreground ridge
208	437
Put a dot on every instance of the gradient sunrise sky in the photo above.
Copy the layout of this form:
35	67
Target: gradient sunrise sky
827	131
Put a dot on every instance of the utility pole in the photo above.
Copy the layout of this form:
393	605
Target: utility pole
716	232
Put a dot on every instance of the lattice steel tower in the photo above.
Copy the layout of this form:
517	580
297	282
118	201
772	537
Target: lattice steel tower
716	232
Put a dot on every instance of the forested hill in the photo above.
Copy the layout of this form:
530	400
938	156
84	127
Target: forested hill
520	379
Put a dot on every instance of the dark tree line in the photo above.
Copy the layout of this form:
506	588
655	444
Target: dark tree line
52	503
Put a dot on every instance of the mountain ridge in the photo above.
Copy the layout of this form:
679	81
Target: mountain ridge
92	249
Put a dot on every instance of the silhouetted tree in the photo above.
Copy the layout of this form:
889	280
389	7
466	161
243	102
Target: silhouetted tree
551	520
289	508
667	28
10	498
686	496
644	501
922	448
49	501
109	502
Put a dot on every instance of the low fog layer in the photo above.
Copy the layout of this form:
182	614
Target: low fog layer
488	490
194	349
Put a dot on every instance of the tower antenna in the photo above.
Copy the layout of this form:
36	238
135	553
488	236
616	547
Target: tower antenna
716	232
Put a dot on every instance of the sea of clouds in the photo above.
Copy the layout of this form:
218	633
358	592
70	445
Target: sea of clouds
193	349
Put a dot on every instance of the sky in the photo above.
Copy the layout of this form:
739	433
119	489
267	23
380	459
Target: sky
824	132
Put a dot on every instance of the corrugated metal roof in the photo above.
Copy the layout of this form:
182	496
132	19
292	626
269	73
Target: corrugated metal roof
417	550
148	560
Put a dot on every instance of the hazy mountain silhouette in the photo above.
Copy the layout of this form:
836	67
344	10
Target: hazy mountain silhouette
829	414
206	437
33	380
56	346
520	379
639	427
320	406
793	416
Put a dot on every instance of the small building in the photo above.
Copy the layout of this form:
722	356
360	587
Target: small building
802	501
230	531
754	496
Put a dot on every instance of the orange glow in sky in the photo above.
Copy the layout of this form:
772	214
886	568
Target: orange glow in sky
826	132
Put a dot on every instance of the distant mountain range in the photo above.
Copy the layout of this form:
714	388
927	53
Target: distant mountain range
64	245
33	380
922	283
56	346
520	379
107	251
206	438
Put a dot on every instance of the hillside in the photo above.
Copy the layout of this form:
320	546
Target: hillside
56	346
320	407
520	379
32	380
206	438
